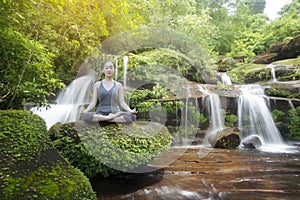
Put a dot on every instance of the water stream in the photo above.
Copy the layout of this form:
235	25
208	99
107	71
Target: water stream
225	79
69	102
255	117
125	62
273	73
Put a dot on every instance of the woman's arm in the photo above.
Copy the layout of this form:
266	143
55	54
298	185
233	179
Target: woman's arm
94	99
121	99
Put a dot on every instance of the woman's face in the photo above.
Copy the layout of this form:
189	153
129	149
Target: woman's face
108	70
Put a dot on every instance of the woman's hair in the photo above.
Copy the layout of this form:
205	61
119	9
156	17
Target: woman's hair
108	63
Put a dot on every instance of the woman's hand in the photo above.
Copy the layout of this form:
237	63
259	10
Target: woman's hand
133	111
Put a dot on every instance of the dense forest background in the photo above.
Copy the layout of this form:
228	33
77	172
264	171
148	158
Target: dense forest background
43	42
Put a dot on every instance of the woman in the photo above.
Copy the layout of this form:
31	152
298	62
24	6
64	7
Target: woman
110	95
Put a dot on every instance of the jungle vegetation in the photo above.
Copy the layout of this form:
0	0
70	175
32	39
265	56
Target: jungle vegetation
43	42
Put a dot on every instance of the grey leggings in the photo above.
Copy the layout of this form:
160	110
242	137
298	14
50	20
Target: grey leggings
88	117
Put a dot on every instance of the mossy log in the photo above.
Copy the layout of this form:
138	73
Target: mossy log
103	149
31	168
228	138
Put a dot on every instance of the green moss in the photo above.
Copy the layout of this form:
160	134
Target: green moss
245	72
17	128
57	182
31	168
281	92
109	148
294	62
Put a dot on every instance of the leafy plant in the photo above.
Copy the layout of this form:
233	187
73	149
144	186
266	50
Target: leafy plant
276	115
26	73
294	127
231	120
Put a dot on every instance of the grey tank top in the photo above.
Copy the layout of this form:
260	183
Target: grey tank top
108	100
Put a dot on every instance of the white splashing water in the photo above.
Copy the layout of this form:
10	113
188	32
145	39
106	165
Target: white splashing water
225	79
69	102
125	60
273	73
213	103
255	117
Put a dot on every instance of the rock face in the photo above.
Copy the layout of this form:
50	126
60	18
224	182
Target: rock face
227	138
280	51
30	167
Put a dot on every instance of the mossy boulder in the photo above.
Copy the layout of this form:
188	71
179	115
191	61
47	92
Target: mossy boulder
109	148
30	167
284	89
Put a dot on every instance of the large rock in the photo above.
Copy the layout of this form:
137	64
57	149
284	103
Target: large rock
280	51
31	168
228	138
103	149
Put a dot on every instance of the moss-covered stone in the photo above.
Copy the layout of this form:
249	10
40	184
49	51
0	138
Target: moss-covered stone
284	89
110	148
31	168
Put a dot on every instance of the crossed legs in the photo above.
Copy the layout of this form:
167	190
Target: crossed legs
108	118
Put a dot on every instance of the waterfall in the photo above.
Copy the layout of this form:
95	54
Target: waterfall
273	74
291	104
255	117
125	62
69	102
225	79
213	103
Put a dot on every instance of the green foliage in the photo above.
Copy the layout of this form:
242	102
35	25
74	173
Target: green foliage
285	27
110	148
26	72
231	120
185	17
276	115
151	67
256	6
294	125
30	167
158	91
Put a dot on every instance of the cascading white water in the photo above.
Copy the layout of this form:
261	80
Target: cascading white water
125	62
69	102
213	103
291	104
225	79
273	74
255	117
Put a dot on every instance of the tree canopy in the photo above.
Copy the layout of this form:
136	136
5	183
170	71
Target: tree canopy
43	42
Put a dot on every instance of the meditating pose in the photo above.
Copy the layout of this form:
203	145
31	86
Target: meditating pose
109	95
